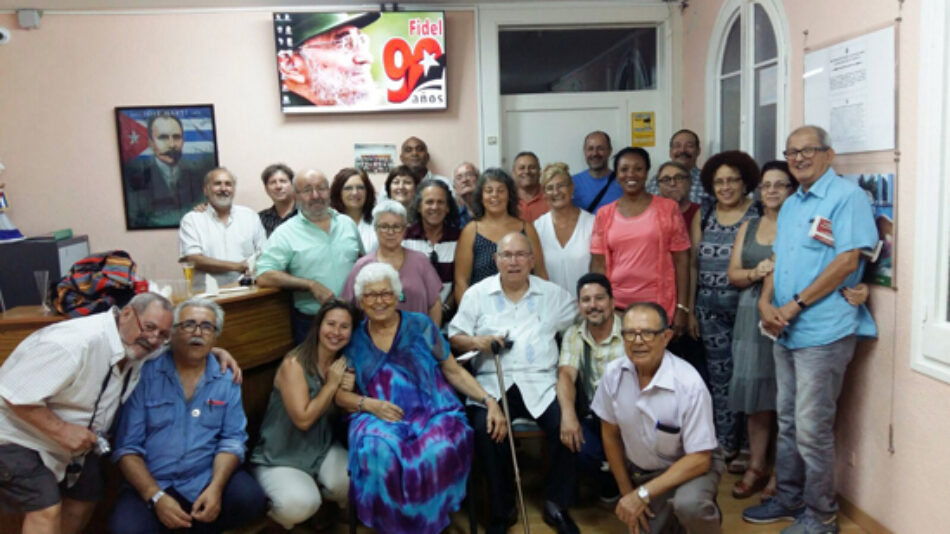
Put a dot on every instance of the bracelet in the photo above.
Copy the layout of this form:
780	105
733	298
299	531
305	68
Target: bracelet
359	405
682	307
485	400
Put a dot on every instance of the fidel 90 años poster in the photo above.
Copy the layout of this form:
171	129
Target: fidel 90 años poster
358	62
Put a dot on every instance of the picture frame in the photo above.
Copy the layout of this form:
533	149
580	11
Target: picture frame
164	153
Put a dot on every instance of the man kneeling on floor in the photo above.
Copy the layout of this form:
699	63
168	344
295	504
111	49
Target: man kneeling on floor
181	438
657	429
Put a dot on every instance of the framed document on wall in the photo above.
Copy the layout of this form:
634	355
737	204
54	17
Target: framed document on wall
358	62
164	153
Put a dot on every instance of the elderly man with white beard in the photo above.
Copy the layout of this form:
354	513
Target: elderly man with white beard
220	241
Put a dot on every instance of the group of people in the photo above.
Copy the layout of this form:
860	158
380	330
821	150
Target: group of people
589	286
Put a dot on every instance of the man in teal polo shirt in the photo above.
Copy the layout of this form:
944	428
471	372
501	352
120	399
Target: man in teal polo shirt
803	305
312	253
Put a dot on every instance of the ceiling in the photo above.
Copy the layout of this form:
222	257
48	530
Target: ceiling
84	5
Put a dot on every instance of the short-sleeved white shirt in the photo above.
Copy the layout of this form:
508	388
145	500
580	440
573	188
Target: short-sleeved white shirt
676	397
545	309
64	366
241	237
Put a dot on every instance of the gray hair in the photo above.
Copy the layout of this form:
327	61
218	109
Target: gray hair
465	164
823	136
142	301
389	206
376	272
208	304
209	174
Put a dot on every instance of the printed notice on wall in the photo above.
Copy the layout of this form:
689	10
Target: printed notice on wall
850	91
642	129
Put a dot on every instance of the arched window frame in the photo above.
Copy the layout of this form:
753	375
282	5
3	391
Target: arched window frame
745	9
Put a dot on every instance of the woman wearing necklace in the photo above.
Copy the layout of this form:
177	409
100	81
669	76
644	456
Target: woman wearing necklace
297	454
565	230
495	214
435	232
420	282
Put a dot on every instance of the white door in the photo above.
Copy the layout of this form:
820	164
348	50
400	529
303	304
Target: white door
553	124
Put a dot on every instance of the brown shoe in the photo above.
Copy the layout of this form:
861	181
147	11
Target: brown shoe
741	490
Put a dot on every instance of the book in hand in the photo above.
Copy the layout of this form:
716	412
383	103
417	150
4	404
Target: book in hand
821	231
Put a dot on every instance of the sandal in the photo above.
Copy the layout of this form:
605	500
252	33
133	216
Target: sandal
739	464
741	490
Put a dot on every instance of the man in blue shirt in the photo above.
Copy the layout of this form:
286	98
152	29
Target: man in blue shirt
802	304
589	183
181	438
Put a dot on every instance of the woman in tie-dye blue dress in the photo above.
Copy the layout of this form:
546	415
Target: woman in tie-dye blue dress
406	474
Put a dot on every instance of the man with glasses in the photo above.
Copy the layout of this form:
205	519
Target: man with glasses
312	253
61	388
594	187
816	329
685	150
513	307
328	61
463	186
181	437
657	426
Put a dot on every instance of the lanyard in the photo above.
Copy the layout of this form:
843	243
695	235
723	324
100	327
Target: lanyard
102	389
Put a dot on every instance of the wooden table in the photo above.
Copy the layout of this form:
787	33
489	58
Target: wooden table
256	331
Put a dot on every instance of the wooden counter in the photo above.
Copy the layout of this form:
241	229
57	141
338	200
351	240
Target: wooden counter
256	331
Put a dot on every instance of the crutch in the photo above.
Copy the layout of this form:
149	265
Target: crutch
496	351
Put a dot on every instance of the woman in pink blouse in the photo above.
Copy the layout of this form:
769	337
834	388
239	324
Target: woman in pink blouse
641	243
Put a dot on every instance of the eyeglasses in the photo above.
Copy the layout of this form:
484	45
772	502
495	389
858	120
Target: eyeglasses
322	190
391	228
777	185
807	152
433	258
468	174
149	329
667	180
352	188
351	41
550	188
646	335
385	296
519	256
190	326
729	180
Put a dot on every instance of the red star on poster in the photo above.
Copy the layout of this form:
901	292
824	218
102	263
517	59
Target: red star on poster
134	138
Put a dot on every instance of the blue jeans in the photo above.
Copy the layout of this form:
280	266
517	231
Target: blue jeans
242	502
809	381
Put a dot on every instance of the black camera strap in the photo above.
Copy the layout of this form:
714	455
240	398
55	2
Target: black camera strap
102	389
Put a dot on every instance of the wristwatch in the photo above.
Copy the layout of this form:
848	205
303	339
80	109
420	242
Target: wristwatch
798	300
644	494
155	498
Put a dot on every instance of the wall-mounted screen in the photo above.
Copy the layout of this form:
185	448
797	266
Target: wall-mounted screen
358	62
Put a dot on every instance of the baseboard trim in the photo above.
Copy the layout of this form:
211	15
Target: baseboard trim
860	517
